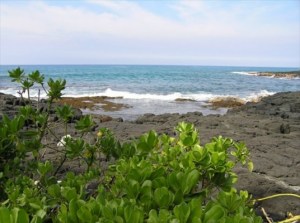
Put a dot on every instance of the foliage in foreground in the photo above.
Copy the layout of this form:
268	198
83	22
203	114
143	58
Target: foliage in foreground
156	178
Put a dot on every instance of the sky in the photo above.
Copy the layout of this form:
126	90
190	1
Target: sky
177	32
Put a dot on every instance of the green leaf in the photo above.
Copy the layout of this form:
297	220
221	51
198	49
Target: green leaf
84	214
69	193
64	112
5	216
147	142
231	201
162	217
160	182
85	123
196	210
118	219
153	218
173	180
133	214
152	139
44	168
214	214
28	134
163	197
132	188
187	141
36	219
250	166
73	208
35	205
27	84
27	111
182	212
74	147
107	212
41	119
191	180
40	214
63	213
16	75
54	190
20	216
56	88
37	77
144	147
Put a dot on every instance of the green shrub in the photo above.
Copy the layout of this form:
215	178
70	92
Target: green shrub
156	178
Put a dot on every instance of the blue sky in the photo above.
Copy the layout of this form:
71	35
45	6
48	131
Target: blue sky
203	32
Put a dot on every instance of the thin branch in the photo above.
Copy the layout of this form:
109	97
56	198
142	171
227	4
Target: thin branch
44	89
277	195
61	164
38	101
52	133
266	215
293	219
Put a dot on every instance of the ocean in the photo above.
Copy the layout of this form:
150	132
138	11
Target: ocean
155	88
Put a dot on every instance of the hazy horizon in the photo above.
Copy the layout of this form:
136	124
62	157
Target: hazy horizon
192	65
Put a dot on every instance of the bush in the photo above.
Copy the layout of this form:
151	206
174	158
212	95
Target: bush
156	178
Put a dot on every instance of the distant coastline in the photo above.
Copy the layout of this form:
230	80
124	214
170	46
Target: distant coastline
272	74
287	74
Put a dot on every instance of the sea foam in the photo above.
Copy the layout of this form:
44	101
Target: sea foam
142	96
248	73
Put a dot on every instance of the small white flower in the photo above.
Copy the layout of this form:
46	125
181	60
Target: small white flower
36	182
62	142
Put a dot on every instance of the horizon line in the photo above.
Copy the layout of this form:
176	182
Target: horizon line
112	64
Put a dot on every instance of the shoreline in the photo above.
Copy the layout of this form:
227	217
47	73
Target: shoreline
280	75
118	107
92	103
270	129
287	75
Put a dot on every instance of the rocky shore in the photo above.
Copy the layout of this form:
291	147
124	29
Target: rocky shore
287	74
270	128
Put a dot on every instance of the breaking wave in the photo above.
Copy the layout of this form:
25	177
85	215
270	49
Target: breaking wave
175	96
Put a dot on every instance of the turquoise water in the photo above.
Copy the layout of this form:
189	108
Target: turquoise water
154	89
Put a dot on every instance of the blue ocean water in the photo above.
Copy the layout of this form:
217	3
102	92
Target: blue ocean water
154	88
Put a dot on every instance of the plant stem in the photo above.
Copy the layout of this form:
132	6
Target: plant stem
28	95
61	164
43	129
269	220
52	133
278	195
66	128
38	101
291	220
44	89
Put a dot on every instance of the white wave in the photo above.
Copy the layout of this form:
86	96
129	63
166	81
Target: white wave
33	93
248	73
200	96
256	96
11	91
288	78
252	97
135	96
